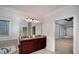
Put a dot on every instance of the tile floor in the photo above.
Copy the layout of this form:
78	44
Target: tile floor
43	51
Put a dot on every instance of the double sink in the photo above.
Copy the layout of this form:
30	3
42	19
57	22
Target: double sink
32	37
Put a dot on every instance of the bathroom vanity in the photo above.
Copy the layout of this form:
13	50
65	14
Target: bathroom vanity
29	45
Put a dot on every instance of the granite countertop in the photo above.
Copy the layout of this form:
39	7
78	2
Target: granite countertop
32	38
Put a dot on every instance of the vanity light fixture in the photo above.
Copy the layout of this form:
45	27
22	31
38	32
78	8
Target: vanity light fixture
31	19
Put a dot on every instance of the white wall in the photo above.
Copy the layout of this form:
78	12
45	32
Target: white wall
14	17
76	35
48	30
49	25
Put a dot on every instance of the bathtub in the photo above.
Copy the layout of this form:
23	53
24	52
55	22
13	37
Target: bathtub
8	50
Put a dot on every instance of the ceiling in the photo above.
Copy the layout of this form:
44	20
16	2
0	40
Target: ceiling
65	23
34	10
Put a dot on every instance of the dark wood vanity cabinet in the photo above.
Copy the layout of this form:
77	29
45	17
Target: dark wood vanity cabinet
29	46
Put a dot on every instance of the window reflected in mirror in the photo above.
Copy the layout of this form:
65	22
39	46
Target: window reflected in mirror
33	30
24	30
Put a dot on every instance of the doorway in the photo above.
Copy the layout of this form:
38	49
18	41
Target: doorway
64	36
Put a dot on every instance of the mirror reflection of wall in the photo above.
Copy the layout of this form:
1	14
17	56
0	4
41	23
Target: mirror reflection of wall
29	28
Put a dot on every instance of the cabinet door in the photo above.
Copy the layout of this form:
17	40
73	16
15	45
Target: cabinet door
27	46
39	44
42	43
36	44
26	49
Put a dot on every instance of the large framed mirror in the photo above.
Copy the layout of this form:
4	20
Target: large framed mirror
29	28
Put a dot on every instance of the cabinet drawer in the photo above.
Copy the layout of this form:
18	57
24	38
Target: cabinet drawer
26	42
